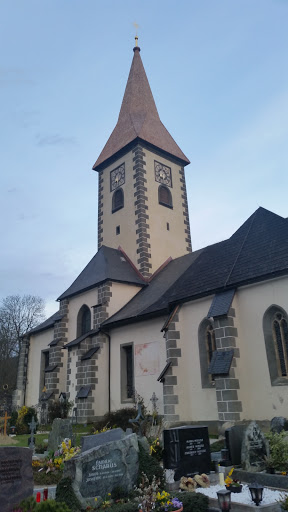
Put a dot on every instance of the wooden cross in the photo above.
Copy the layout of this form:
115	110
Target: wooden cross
6	417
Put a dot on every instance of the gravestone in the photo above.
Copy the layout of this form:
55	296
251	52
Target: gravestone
61	429
88	442
16	476
234	437
96	472
278	423
187	450
254	448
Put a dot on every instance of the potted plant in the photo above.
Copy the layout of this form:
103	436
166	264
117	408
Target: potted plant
269	464
231	484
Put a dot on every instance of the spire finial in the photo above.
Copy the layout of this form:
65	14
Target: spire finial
136	47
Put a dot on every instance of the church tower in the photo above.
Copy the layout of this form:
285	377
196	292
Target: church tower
142	200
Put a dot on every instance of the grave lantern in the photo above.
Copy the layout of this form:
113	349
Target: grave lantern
256	492
224	500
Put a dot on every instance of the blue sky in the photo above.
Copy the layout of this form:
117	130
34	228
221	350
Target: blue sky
218	72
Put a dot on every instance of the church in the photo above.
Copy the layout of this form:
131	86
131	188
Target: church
205	330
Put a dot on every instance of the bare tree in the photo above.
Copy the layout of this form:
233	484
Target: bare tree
18	315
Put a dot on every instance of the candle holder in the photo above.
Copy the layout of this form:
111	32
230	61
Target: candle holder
224	500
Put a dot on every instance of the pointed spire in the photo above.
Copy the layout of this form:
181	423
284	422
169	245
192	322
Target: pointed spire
139	118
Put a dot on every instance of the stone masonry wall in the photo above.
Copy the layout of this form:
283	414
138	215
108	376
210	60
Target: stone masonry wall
185	210
86	373
173	352
141	212
229	406
56	352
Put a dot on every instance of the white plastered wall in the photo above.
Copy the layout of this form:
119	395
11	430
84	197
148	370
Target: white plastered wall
260	400
195	403
38	342
121	294
141	333
125	217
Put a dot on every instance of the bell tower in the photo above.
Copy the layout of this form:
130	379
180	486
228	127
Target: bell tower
142	199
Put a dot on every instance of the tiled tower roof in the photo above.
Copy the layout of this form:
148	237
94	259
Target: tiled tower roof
139	119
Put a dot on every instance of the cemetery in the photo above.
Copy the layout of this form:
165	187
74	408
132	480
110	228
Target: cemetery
139	464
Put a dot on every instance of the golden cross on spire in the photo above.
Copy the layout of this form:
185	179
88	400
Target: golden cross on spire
136	26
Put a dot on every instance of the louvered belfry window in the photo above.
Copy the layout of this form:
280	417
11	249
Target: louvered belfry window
280	335
165	196
117	200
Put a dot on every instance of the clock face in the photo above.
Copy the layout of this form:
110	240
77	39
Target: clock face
117	177
163	174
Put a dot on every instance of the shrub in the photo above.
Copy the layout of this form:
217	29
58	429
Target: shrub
41	447
30	505
278	450
25	415
118	493
65	493
59	409
119	418
150	467
193	501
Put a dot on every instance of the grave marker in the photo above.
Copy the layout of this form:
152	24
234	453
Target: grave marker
187	450
96	472
32	426
16	476
254	448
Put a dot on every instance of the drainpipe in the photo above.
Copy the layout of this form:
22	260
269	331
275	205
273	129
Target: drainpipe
109	367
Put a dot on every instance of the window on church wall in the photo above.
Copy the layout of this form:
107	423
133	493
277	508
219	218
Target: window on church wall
117	200
127	372
83	320
165	196
207	345
275	328
280	334
43	365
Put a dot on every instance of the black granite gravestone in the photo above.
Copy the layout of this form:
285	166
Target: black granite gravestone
234	437
187	450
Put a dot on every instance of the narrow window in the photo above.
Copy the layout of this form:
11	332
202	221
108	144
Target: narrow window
117	230
83	320
207	345
280	335
168	227
127	372
165	196
117	200
275	328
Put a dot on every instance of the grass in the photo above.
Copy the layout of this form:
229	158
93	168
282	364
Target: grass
22	440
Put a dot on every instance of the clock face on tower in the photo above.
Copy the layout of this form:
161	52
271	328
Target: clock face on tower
117	177
162	174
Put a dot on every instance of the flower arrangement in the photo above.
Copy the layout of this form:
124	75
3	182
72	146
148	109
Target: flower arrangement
65	452
152	499
229	482
156	449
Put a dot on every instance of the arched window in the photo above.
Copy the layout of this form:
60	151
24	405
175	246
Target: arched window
275	328
207	345
83	320
165	196
117	200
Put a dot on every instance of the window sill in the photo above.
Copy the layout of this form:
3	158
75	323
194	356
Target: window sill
280	381
118	208
127	401
167	205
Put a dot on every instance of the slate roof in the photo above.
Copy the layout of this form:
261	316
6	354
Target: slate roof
47	324
149	299
221	303
221	362
257	251
138	119
107	264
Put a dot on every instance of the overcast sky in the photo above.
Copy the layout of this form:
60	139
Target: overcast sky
218	72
